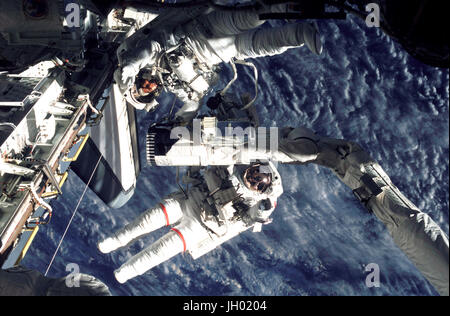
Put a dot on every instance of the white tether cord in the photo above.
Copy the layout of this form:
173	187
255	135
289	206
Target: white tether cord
73	215
255	71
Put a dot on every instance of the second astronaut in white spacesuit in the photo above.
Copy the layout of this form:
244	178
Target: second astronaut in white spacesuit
221	203
186	54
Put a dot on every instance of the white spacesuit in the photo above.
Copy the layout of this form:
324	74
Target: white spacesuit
186	55
220	203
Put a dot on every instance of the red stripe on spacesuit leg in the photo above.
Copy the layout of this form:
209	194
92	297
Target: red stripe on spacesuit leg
181	236
165	214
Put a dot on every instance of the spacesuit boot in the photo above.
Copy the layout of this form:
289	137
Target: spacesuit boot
250	44
181	238
312	39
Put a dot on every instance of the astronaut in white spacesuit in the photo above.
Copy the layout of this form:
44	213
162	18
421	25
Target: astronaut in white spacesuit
183	58
220	203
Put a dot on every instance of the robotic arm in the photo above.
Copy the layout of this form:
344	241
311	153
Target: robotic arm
413	231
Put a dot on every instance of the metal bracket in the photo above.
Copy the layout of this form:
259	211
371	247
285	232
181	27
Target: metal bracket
49	173
61	182
75	157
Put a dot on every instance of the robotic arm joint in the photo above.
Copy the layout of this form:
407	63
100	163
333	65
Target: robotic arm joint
368	189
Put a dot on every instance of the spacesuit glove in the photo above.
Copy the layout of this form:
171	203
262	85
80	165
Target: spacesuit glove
128	75
267	221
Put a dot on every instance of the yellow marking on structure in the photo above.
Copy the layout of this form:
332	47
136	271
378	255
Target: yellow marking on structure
27	244
63	179
61	182
75	157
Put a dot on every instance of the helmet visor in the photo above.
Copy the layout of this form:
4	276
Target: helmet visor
146	90
257	179
147	87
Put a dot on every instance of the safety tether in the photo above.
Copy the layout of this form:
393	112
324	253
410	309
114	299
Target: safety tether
73	215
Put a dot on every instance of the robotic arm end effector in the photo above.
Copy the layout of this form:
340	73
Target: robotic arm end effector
414	232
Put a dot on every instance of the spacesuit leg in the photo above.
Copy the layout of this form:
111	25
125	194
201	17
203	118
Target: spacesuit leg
165	213
222	23
225	23
163	249
181	238
413	231
276	40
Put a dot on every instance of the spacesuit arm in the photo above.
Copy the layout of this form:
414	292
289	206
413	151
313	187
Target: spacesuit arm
413	231
261	212
276	40
190	106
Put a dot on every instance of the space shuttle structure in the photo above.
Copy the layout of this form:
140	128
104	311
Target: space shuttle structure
114	141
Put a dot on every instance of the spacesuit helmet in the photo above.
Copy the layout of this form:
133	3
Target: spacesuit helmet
145	90
147	87
257	178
